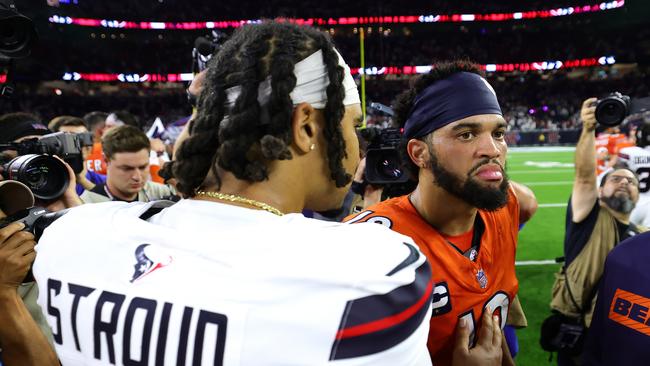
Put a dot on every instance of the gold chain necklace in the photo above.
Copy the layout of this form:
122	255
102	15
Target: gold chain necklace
240	199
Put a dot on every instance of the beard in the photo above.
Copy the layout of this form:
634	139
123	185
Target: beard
622	205
471	191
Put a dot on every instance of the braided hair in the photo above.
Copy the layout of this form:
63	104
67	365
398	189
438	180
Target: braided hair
404	102
247	137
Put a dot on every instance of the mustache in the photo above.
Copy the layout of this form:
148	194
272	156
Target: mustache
484	162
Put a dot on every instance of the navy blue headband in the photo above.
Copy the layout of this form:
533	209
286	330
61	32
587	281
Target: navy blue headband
459	96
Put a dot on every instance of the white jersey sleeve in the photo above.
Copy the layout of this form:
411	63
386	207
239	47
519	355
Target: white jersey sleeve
203	283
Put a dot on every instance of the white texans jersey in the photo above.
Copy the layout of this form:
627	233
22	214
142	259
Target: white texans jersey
205	283
638	160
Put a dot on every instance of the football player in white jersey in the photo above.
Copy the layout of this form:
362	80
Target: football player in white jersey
235	275
637	159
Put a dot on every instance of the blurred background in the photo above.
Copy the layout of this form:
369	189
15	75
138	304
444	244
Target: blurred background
543	57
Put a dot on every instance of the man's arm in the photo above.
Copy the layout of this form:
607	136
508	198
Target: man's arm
22	342
585	192
527	201
83	180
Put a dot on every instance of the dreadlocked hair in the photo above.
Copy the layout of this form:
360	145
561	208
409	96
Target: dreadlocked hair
404	102
247	137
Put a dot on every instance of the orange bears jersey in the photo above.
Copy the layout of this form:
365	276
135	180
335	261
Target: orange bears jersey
602	143
464	288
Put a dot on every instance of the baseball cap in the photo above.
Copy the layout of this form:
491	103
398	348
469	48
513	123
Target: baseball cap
17	125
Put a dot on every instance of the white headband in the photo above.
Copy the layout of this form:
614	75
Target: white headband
311	84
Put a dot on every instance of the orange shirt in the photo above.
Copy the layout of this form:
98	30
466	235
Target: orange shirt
615	139
623	144
464	288
95	160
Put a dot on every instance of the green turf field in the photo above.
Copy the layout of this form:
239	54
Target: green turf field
549	174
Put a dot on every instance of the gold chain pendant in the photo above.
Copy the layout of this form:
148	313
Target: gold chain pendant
240	199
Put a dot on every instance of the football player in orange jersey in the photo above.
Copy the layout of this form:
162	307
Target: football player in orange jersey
465	213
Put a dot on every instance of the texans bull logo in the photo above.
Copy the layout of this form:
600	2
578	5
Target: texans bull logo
148	259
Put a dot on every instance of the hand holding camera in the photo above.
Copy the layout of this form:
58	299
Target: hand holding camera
16	255
614	108
17	201
588	115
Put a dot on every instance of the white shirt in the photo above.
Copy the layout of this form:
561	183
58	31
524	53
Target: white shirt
232	285
638	160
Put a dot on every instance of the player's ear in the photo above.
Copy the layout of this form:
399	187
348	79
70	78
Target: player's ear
418	152
304	123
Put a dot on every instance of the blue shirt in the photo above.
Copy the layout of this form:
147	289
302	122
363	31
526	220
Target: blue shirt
620	328
96	178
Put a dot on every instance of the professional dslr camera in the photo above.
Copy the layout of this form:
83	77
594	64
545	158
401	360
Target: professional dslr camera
614	108
36	220
46	176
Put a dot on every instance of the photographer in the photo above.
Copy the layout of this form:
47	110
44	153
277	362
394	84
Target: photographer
22	343
19	127
597	220
86	179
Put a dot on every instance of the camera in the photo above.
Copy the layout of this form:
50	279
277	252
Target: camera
46	176
205	48
36	220
614	108
383	162
17	32
17	38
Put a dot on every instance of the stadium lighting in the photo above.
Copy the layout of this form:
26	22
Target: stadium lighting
364	20
376	70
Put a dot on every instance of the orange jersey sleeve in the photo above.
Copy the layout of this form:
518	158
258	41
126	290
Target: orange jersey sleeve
623	144
615	139
464	288
95	160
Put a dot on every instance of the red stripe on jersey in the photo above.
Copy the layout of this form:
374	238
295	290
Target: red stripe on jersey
387	322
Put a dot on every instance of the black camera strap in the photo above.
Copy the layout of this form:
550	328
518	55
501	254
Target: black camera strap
155	208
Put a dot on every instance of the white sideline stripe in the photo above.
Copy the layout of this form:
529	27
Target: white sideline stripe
558	183
535	263
540	171
542	205
541	149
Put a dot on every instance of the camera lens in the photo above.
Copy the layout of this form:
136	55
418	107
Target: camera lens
611	111
46	176
389	168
